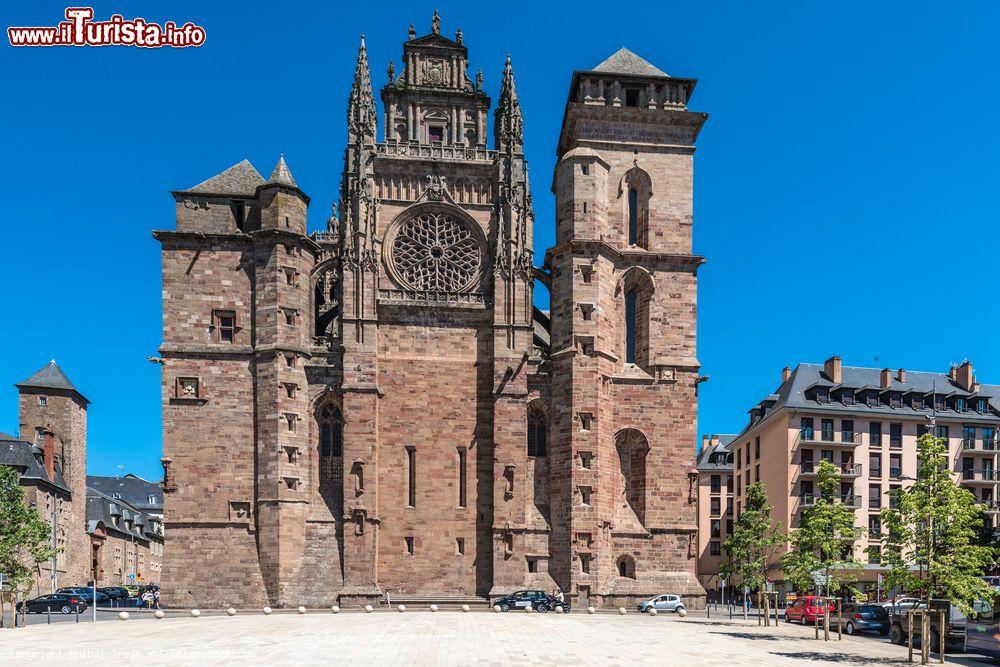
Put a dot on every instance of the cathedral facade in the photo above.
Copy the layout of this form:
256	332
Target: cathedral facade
381	407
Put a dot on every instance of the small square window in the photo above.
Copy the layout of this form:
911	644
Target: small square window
409	545
291	419
532	565
460	546
587	273
585	563
291	389
290	360
586	460
435	133
225	325
43	401
289	316
585	493
585	169
586	421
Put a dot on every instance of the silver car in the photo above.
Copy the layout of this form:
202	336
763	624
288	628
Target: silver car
662	603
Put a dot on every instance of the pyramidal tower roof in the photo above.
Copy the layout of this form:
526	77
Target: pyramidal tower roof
624	61
50	376
282	175
240	179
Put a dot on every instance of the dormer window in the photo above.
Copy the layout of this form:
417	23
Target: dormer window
872	399
631	97
435	133
847	396
982	405
895	399
938	402
960	405
822	395
918	402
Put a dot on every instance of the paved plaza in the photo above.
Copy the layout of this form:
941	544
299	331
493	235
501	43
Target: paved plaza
443	638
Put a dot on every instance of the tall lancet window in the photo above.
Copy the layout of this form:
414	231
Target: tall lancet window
536	433
630	325
633	216
331	432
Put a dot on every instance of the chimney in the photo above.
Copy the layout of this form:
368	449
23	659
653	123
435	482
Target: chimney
832	370
715	440
953	373
49	454
704	442
901	375
965	377
886	378
786	374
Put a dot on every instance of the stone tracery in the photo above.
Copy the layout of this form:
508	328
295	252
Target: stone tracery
436	251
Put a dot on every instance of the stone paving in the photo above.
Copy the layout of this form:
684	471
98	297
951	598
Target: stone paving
418	637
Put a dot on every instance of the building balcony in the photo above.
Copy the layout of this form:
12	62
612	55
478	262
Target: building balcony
828	439
980	476
809	499
990	507
973	446
845	470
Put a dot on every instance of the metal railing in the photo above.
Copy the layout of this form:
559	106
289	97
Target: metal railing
805	436
809	499
895	473
971	444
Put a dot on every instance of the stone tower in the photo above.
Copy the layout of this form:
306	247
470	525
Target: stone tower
53	413
623	335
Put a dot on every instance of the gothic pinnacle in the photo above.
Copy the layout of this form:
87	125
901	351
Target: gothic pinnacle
361	104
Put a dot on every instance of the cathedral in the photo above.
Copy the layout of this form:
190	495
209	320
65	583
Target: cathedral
380	407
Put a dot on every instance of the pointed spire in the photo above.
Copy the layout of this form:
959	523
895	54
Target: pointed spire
361	118
50	376
508	122
281	174
436	23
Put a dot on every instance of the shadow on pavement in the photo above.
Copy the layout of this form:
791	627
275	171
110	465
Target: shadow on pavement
748	635
844	658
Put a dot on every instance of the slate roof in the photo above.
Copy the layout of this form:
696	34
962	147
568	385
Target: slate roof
794	394
241	179
624	61
102	508
282	175
27	459
50	376
714	457
133	489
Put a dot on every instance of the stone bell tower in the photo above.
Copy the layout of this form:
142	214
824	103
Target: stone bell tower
623	335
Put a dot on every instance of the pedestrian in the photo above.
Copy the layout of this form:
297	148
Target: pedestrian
156	598
147	600
560	596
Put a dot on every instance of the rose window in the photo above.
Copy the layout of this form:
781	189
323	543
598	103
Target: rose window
435	251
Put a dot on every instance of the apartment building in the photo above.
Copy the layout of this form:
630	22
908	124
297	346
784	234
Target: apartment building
866	421
715	509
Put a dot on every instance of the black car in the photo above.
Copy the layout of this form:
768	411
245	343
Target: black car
60	603
87	594
540	601
858	617
114	592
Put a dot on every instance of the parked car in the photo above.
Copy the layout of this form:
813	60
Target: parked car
87	594
860	617
61	603
807	609
901	604
114	592
667	602
540	601
954	631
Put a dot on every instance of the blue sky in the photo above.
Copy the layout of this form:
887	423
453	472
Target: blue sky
845	195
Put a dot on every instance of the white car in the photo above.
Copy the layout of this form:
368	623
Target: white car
662	603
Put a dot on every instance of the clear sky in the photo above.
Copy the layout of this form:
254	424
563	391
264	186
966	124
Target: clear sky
845	193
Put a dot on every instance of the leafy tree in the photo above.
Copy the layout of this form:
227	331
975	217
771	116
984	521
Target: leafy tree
755	540
822	547
25	539
931	543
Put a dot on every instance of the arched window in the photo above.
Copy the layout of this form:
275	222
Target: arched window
633	216
537	433
626	567
331	432
630	325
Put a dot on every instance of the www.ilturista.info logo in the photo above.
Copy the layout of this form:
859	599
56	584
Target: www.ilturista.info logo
79	29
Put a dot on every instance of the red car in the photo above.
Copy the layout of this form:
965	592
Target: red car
807	608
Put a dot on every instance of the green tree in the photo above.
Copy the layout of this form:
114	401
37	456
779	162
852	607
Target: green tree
822	547
931	542
25	539
754	542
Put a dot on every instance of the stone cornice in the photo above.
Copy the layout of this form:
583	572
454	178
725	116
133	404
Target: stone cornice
163	235
606	249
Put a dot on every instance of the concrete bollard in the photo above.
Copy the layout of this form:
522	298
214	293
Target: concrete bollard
434	607
622	611
651	612
368	609
682	612
401	608
335	609
302	610
465	607
230	612
195	613
497	609
591	610
123	616
158	613
267	611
